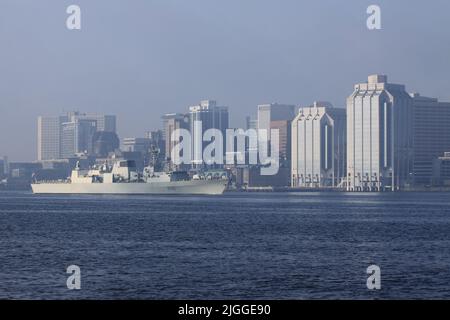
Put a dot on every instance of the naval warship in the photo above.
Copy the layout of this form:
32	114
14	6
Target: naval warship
123	178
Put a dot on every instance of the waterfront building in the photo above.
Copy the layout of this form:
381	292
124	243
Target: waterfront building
49	137
274	112
2	169
251	123
212	116
441	170
172	122
379	136
431	135
60	136
104	143
284	143
278	116
318	146
105	123
77	137
142	145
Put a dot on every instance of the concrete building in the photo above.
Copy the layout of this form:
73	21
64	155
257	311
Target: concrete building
49	137
104	143
251	123
274	112
250	177
441	170
60	136
278	116
172	122
105	123
431	135
211	116
284	134
77	137
319	146
142	145
379	136
2	169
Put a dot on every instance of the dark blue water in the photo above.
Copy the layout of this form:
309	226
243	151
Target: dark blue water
258	246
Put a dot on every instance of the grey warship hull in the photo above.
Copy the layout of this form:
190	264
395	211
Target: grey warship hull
207	187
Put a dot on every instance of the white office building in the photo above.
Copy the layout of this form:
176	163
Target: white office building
318	146
379	136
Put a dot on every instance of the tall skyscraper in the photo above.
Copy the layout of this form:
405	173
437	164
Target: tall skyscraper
278	116
77	137
211	116
251	123
105	123
441	170
431	135
105	142
284	143
379	136
172	122
49	137
274	112
61	136
4	168
318	146
142	145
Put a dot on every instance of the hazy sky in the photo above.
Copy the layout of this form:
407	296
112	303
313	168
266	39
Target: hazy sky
139	59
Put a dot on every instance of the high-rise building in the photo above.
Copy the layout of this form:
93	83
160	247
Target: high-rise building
211	116
441	170
172	122
49	137
104	142
274	112
60	136
142	145
278	116
284	143
251	123
158	142
318	146
77	137
2	169
105	123
6	168
431	135
379	136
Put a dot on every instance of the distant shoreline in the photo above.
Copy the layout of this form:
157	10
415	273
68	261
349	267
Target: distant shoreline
334	190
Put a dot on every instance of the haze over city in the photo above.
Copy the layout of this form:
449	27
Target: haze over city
151	57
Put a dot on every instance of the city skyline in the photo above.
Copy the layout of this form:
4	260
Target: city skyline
385	139
103	69
62	118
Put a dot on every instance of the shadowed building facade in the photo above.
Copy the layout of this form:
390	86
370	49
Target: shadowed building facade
431	135
171	123
202	117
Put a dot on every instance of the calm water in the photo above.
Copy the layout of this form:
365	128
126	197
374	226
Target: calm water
271	245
